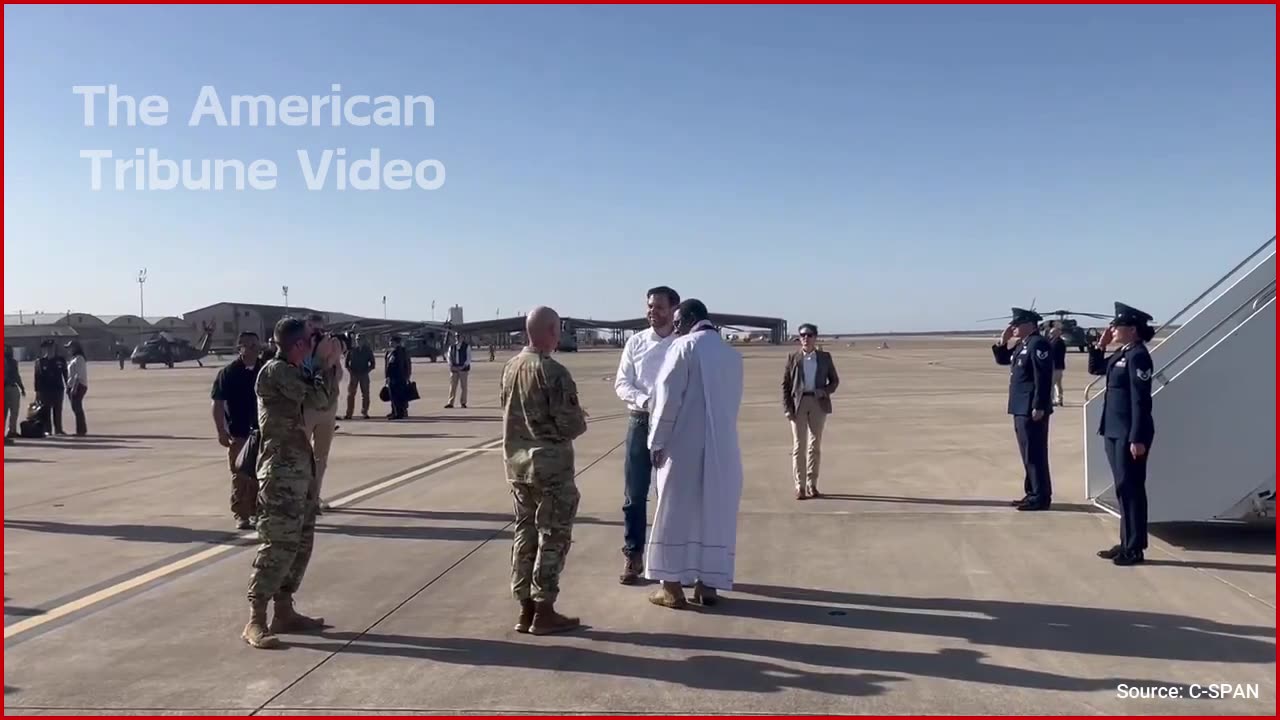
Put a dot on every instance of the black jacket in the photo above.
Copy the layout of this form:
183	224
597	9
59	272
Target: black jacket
399	366
51	374
1059	347
360	361
1030	374
1126	406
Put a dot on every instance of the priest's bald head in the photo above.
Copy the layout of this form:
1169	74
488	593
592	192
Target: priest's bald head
690	313
542	327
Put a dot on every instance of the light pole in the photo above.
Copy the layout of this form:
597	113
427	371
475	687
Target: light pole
285	289
384	307
142	278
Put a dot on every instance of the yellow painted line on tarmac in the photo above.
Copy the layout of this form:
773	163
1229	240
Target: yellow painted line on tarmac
125	586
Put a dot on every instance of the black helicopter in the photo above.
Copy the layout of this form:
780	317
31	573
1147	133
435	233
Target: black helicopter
1073	334
165	349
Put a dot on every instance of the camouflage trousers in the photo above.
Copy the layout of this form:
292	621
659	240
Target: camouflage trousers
286	529
543	534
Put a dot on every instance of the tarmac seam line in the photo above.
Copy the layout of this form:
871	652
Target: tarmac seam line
235	543
420	590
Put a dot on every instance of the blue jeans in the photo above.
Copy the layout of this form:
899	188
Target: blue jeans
637	471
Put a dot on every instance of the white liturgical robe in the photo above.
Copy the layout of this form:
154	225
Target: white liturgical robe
695	421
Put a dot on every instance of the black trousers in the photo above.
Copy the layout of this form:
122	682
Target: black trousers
1033	446
77	407
1131	491
51	404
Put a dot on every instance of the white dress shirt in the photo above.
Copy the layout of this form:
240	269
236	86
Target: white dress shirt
77	372
810	366
638	370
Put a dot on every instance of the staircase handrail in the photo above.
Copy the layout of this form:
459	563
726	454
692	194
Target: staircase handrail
1178	315
1253	300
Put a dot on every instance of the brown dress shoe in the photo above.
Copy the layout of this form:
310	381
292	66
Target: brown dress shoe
547	621
703	595
527	610
670	595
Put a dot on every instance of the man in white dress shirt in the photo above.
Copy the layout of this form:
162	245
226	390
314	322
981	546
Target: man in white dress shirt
637	372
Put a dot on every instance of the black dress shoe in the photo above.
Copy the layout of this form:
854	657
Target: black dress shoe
1021	501
1111	552
1128	558
1032	506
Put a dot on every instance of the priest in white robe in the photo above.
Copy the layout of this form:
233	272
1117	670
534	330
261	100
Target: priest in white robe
693	437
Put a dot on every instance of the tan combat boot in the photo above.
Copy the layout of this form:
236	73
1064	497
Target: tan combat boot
632	568
547	621
256	632
670	595
289	620
527	611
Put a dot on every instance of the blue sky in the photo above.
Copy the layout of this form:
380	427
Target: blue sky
863	168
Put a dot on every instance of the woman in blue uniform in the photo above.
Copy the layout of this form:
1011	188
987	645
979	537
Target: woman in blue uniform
1127	425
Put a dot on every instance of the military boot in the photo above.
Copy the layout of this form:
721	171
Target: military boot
256	632
547	621
527	611
289	620
632	567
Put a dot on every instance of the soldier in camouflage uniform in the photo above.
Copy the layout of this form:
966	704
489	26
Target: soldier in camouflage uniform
542	419
287	386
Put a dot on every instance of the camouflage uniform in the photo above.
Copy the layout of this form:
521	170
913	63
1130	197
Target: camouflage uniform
286	467
542	418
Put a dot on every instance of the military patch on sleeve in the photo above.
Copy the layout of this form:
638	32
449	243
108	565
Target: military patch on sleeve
1042	354
1144	375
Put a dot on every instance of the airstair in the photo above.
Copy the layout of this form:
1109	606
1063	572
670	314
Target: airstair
1214	404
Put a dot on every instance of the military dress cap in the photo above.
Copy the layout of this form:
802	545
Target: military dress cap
1130	316
1021	315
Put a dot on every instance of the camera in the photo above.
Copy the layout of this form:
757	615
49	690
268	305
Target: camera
344	338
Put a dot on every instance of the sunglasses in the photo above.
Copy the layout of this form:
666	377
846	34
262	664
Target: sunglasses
807	335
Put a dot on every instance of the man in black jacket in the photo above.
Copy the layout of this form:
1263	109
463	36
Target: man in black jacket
51	382
399	369
1030	402
360	363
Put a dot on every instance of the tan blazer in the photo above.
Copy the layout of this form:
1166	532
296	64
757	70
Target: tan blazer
826	380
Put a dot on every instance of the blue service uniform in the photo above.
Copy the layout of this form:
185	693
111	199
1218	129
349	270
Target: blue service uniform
1030	389
1126	419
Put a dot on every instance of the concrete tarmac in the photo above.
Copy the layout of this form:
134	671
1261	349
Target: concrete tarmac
911	587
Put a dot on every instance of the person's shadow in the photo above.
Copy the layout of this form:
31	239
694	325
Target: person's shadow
1001	623
700	672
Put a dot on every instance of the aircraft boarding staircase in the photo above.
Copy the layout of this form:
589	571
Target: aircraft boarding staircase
1214	405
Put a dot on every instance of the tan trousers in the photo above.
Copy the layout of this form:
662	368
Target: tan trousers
319	426
360	381
806	448
244	488
458	380
1057	386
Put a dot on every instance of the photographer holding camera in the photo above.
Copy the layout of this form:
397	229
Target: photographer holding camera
321	423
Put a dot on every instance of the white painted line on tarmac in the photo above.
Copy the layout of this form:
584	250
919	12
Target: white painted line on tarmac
124	586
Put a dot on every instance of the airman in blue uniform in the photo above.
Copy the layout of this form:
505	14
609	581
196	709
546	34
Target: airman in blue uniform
1127	424
1030	402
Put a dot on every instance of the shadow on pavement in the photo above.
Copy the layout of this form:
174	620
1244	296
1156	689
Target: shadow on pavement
953	502
1214	537
132	533
1031	626
702	672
